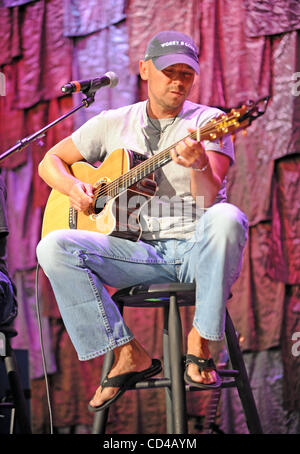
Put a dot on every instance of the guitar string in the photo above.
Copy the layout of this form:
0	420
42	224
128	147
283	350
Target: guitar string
109	188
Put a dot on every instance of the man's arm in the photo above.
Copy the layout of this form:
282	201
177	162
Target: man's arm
206	183
54	169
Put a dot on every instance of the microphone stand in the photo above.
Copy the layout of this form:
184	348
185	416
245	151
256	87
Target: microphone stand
23	143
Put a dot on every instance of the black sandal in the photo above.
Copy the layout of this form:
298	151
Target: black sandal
124	382
202	365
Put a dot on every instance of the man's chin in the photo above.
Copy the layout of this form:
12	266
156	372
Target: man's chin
176	102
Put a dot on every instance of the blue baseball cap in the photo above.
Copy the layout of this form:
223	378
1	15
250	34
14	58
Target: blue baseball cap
169	48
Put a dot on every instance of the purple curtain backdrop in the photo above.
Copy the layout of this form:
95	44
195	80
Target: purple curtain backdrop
247	49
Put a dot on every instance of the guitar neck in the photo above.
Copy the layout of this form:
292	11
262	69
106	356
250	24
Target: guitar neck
216	128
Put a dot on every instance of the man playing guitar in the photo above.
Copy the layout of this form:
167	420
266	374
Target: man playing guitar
189	233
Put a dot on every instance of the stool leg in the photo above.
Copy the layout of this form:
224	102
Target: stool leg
242	380
167	372
176	362
17	391
100	418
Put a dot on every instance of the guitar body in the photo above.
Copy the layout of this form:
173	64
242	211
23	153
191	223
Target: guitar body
118	215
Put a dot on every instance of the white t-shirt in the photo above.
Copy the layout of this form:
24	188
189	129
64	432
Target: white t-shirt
172	212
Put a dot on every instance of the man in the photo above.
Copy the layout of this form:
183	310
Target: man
202	243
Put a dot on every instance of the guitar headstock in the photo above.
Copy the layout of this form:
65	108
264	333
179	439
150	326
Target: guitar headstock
234	121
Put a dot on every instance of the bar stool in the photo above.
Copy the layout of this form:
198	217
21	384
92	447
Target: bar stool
17	402
170	297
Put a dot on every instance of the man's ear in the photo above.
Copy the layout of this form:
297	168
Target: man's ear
144	71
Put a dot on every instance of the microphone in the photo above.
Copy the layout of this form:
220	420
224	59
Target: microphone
91	85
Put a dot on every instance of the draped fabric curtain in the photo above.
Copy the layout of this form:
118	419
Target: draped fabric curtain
247	49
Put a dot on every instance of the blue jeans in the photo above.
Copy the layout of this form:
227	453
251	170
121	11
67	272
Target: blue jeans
79	263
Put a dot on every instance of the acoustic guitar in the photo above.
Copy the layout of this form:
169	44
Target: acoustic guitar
125	182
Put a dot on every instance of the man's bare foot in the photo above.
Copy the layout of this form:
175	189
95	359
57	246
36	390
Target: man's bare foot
198	346
129	357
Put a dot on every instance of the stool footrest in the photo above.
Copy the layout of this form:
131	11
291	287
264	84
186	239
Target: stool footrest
152	383
225	384
228	372
166	382
228	384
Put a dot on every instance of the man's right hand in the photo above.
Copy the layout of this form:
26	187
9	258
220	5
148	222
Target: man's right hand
81	196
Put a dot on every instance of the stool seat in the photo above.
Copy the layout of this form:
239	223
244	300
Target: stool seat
154	295
170	296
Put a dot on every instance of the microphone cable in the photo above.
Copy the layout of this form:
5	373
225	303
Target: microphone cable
42	348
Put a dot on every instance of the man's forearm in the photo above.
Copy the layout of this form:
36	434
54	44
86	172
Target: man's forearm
205	184
54	169
57	174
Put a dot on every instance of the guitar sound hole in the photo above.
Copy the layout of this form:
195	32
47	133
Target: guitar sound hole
101	202
102	197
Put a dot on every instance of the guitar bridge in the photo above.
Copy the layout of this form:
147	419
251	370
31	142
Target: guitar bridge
72	218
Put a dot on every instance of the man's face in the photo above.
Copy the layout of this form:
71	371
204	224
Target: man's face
168	89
